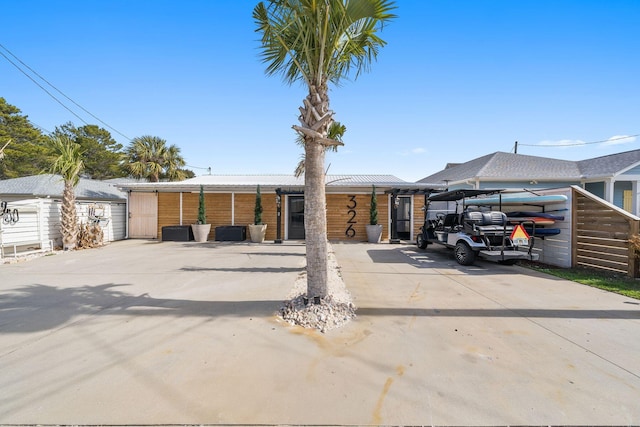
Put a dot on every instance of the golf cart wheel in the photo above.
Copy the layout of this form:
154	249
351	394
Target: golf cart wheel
421	242
463	253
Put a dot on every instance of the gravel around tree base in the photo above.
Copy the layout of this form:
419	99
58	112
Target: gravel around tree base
333	311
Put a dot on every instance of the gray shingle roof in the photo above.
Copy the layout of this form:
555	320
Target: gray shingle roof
608	165
52	186
510	166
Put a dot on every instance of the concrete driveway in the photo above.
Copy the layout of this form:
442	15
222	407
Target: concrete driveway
142	332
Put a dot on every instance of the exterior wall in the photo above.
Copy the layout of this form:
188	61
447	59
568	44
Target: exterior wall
218	209
348	215
168	211
39	221
595	188
633	171
618	192
553	250
244	204
28	228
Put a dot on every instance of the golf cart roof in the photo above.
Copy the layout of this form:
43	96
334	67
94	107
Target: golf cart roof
453	195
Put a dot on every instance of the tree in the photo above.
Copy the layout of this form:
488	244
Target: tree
28	153
336	132
103	156
319	42
150	158
68	164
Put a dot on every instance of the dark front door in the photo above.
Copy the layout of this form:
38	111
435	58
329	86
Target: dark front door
404	218
296	217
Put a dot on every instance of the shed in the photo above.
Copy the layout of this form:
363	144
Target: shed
31	211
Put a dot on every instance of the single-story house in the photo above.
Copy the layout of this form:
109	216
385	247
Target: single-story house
613	178
31	211
230	201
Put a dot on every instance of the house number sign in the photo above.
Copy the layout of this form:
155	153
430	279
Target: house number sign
8	216
351	217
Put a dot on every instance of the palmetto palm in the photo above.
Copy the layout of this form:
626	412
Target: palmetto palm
319	42
150	158
68	164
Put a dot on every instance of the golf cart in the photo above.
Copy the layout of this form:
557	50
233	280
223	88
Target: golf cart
471	231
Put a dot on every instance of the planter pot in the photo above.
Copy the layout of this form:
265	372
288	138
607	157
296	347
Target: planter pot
257	232
201	232
374	233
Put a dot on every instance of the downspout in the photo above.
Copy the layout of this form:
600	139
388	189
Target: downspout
181	208
126	223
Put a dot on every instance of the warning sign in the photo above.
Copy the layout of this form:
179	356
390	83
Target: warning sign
519	236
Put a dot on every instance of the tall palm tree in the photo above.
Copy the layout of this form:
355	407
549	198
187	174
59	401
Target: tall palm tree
150	158
336	132
68	164
319	42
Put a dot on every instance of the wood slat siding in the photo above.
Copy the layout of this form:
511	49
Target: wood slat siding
219	213
244	205
340	220
601	234
168	211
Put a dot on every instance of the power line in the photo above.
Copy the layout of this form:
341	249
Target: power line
196	167
40	86
577	143
58	90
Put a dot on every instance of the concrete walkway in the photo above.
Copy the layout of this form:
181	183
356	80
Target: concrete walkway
141	332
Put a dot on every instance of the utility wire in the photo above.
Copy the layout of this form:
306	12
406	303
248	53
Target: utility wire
58	90
577	143
196	167
40	86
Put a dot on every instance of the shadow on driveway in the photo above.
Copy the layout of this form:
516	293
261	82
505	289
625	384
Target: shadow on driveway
41	307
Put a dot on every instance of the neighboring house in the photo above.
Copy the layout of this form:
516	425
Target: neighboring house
230	201
613	178
37	200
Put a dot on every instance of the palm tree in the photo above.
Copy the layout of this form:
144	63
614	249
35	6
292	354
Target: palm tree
336	132
319	42
150	158
68	164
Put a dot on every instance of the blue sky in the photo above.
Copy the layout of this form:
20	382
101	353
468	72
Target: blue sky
457	80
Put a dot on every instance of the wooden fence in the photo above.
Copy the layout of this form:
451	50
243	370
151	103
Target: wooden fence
601	235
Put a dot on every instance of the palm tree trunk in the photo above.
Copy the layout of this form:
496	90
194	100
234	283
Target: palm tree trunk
69	218
315	221
315	212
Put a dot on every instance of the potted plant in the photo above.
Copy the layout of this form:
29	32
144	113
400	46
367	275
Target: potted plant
201	228
257	230
374	230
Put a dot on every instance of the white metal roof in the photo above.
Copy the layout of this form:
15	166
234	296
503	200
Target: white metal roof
270	182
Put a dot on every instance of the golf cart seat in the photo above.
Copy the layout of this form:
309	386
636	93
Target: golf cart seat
451	220
486	222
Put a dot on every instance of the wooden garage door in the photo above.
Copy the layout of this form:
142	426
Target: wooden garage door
143	215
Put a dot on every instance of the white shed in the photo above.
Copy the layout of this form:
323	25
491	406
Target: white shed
31	212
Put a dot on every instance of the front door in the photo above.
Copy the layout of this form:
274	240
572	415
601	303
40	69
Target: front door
143	215
403	218
295	220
